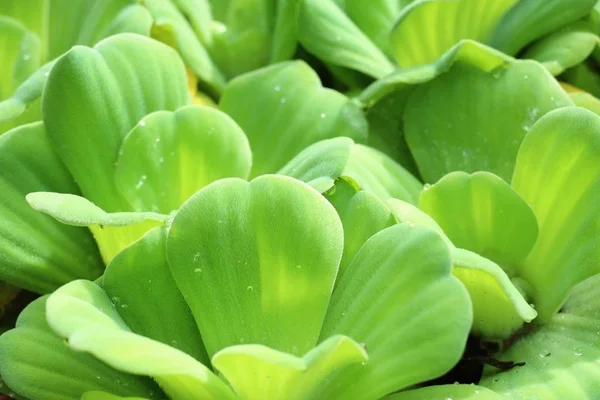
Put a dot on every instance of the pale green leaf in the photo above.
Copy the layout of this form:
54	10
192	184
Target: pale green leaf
446	392
398	297
37	364
112	86
557	173
561	357
294	112
276	243
36	252
169	156
254	370
84	315
426	29
482	213
325	31
140	285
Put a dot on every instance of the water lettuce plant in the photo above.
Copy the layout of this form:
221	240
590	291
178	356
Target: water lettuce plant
206	199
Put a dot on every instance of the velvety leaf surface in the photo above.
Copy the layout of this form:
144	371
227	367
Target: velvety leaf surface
499	309
482	213
84	315
532	19
445	392
561	356
140	285
398	297
565	48
96	395
362	216
37	252
257	262
557	173
192	51
36	363
323	162
169	156
471	120
325	31
112	231
294	112
377	22
112	86
428	28
255	370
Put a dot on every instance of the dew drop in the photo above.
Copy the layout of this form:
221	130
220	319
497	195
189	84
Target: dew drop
249	288
124	306
299	266
196	257
426	187
323	115
142	123
277	88
283	100
526	77
198	271
26	57
577	351
161	160
116	300
174	343
46	74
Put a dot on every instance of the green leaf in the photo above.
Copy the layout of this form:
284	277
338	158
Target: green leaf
36	364
499	309
242	34
112	231
36	252
140	284
189	46
277	244
557	174
95	395
84	315
325	31
256	369
134	19
295	111
377	22
398	297
482	213
472	120
112	86
585	77
284	34
323	162
198	14
565	48
445	392
20	55
420	37
561	357
386	128
169	156
362	216
529	20
404	80
406	212
586	100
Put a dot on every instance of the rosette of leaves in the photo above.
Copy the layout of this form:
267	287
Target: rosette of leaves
373	40
542	232
217	41
240	296
124	147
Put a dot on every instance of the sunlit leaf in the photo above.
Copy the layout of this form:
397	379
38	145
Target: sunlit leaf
36	252
294	112
276	243
169	156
